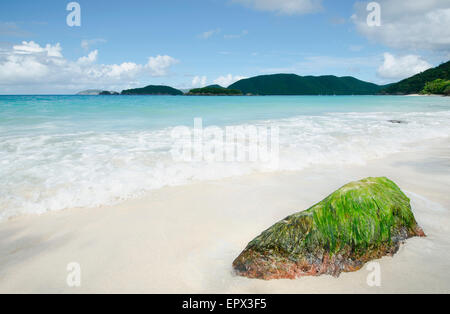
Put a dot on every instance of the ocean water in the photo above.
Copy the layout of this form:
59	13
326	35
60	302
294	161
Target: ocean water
59	152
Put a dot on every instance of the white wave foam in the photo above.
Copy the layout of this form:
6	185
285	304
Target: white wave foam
53	172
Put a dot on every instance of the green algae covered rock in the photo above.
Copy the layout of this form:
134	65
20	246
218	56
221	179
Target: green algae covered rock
360	222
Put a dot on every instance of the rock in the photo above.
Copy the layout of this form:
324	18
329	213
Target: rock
90	92
96	92
397	121
360	222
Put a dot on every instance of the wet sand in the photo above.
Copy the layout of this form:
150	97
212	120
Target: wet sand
184	239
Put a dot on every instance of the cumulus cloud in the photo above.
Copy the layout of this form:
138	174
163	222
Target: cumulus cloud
288	7
17	68
401	67
29	66
199	81
90	58
159	65
227	80
33	48
412	24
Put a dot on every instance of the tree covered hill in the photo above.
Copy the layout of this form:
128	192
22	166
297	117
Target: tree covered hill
153	90
291	84
437	87
214	91
416	83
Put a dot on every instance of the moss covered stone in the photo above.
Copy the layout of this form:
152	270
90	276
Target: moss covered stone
361	221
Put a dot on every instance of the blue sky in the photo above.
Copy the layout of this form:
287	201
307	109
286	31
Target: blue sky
198	42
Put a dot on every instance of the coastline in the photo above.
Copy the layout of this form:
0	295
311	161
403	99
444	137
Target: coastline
184	239
425	95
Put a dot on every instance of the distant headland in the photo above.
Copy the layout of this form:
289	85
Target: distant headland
432	81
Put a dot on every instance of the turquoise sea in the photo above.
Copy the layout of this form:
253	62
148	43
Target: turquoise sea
60	152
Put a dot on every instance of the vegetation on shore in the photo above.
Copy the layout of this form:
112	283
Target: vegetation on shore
416	83
437	87
361	221
153	90
214	91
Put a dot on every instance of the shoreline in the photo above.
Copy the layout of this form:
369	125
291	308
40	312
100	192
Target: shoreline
423	95
201	95
184	239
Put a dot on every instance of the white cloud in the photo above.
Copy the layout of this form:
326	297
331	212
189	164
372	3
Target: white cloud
209	34
54	51
326	65
87	43
289	7
33	48
127	69
227	80
159	65
16	68
199	81
401	67
30	67
412	24
90	58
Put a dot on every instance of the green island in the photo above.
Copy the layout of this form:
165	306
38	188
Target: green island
153	90
214	90
360	222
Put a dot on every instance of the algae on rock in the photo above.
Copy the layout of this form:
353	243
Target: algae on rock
361	221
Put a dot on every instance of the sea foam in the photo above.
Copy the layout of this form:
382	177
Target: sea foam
46	171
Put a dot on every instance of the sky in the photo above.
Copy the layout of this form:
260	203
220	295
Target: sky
194	43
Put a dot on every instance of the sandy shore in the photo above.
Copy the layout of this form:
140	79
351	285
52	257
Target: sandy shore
184	239
424	95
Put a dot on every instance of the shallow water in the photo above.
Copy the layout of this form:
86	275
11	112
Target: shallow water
60	152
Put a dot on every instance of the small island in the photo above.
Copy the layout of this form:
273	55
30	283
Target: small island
153	90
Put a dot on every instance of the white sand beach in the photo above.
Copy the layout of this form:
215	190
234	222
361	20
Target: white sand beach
144	147
184	239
